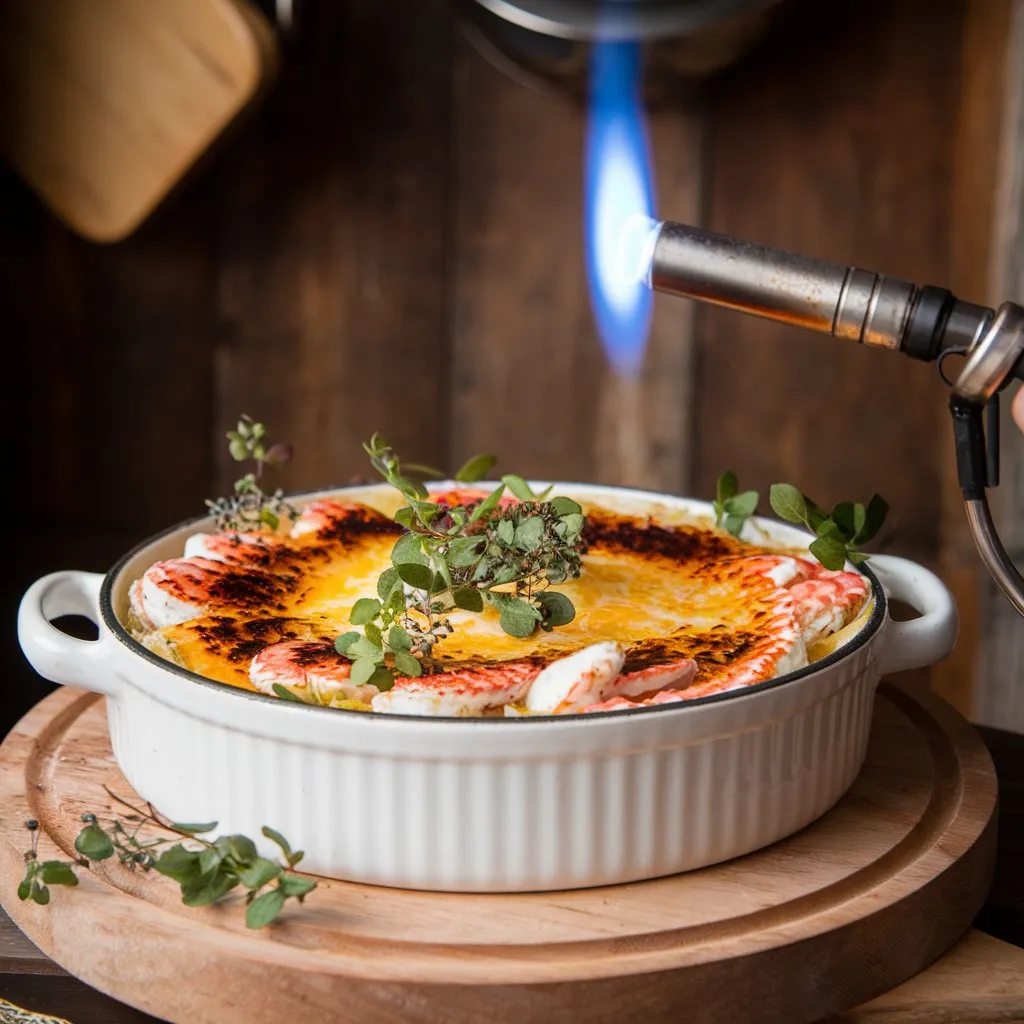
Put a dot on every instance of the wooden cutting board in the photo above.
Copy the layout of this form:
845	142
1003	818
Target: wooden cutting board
106	104
850	907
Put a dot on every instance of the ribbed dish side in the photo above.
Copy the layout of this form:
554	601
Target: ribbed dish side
556	823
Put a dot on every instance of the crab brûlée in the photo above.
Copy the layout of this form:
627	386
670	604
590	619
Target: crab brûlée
664	612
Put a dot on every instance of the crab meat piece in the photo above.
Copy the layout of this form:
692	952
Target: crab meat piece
671	675
825	600
782	570
620	703
234	548
333	517
307	668
779	649
581	678
668	679
172	592
828	602
460	693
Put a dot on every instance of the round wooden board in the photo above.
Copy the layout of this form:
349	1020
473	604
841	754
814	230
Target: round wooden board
848	908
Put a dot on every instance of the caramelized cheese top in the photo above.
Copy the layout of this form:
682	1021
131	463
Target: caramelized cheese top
663	591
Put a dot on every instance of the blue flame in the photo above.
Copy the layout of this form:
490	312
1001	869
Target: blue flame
619	187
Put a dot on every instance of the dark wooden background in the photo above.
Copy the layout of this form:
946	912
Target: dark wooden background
393	241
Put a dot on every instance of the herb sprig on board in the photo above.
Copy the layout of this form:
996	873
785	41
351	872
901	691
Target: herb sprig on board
839	533
507	556
250	507
204	870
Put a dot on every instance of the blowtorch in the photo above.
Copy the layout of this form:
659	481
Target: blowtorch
924	323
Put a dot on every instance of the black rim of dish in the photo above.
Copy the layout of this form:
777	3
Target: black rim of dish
847	650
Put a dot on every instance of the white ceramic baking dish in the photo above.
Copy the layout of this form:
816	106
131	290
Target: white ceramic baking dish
489	805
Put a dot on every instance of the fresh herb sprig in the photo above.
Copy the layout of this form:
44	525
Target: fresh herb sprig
462	557
204	870
250	507
839	533
733	509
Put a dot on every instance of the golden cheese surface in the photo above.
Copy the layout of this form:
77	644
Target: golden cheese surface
664	591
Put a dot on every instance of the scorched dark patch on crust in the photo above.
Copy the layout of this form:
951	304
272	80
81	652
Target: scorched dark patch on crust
240	640
710	649
356	523
677	543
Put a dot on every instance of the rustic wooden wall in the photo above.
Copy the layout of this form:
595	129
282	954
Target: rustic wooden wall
393	241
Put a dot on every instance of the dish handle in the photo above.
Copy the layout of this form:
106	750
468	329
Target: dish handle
53	653
925	640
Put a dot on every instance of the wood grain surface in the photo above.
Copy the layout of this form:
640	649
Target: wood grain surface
846	909
105	105
832	140
979	981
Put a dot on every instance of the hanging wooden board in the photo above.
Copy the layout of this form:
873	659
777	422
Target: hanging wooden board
106	104
848	908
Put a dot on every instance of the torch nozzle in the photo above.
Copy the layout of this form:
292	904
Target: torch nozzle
815	294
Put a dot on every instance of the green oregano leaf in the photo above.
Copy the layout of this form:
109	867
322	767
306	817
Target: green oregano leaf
296	885
829	528
830	552
259	873
874	517
519	487
469	599
363	611
408	549
364	648
518	618
57	872
406	664
94	844
843	517
788	503
240	848
556	608
475	468
727	486
179	863
464	551
565	506
275	837
194	828
264	909
382	678
529	533
488	505
389	579
416	575
399	639
346	640
743	505
361	671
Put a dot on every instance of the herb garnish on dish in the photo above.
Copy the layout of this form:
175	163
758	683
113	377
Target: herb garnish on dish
506	555
839	532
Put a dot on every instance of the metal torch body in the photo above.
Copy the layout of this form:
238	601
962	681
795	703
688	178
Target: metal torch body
925	323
